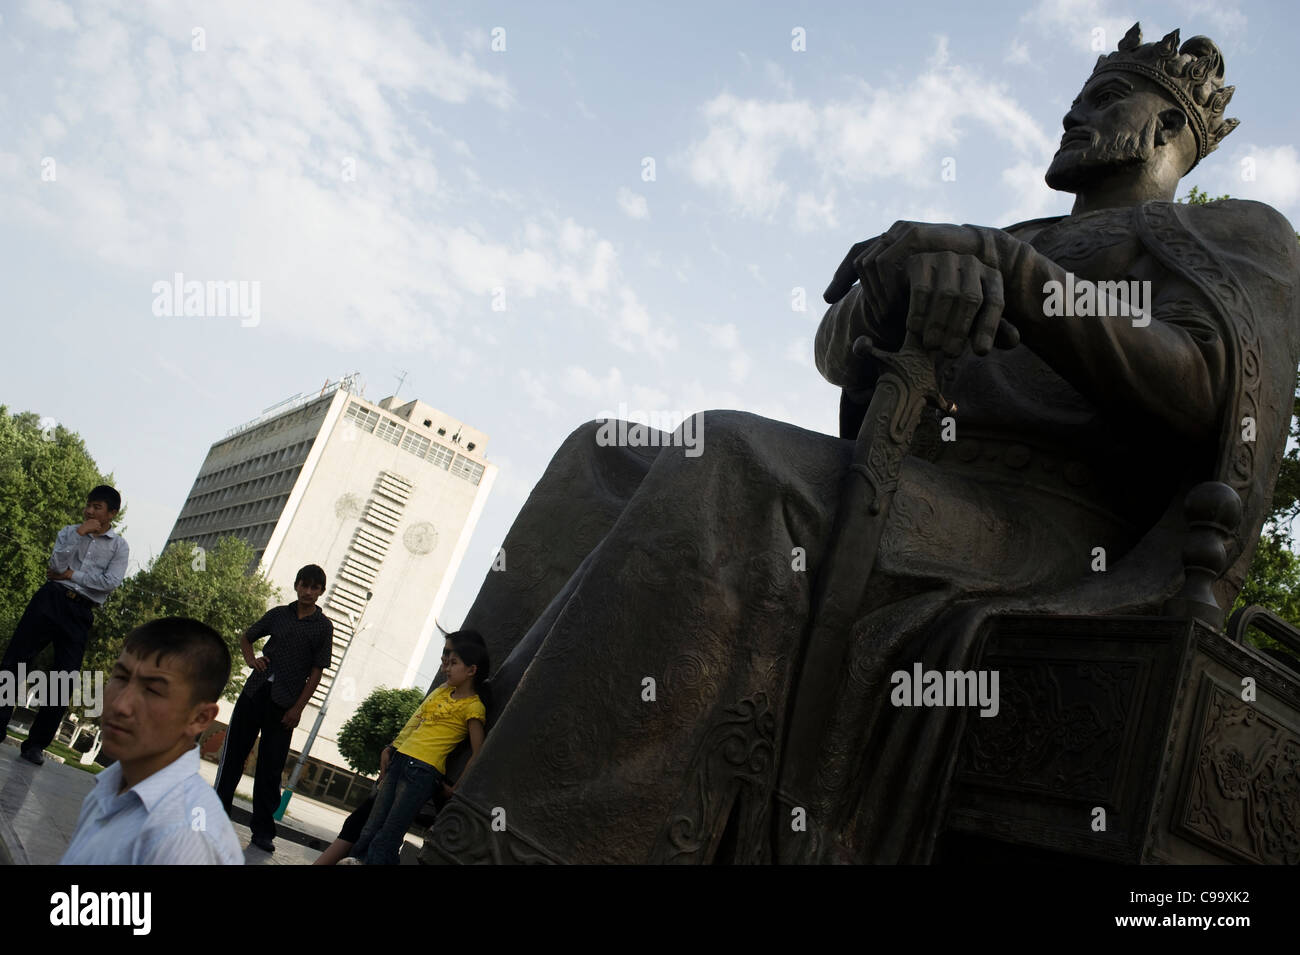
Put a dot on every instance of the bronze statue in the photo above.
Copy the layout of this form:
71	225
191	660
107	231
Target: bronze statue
703	645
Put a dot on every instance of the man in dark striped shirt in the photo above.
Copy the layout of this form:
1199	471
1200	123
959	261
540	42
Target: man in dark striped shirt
277	691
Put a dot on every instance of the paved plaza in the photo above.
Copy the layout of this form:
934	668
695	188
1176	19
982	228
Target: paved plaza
39	806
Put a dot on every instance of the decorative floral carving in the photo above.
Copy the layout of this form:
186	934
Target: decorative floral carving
1058	728
1245	789
732	771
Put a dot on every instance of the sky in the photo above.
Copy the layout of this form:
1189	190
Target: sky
538	214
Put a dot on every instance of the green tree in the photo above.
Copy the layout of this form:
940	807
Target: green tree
374	725
186	581
45	474
1274	577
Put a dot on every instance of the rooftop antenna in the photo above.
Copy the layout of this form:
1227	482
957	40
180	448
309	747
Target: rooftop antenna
401	380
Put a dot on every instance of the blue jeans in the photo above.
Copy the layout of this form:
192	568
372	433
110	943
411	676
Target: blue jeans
407	786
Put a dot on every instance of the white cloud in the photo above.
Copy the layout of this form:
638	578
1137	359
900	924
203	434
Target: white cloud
510	489
745	142
1264	173
610	394
727	338
51	14
940	55
52	129
779	78
581	383
812	214
723	336
294	151
1094	26
901	134
635	330
539	396
1226	21
1085	24
633	204
1033	197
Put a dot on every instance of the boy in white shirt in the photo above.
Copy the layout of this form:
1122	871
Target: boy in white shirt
152	807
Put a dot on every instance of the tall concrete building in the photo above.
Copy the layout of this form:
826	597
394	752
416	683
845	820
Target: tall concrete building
383	496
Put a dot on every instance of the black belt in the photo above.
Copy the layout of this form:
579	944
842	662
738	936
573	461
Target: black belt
79	598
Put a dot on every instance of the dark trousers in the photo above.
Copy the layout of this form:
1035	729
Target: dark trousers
255	713
52	616
407	786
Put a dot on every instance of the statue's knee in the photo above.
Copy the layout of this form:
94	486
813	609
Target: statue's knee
727	433
584	435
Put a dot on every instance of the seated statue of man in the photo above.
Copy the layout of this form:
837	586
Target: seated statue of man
668	695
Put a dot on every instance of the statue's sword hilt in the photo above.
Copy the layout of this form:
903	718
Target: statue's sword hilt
908	382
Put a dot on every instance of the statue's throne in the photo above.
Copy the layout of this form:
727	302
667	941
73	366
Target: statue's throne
1137	739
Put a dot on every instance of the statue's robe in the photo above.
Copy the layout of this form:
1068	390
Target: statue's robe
655	606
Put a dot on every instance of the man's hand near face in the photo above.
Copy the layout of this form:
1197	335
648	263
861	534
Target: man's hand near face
92	526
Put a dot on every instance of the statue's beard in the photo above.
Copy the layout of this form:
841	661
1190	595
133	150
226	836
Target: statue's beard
1074	168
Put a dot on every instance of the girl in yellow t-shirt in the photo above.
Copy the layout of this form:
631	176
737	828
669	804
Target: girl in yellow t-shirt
414	766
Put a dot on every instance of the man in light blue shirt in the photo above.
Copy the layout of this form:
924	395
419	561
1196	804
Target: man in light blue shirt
152	807
88	563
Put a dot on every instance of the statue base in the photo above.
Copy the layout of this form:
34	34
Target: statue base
1128	740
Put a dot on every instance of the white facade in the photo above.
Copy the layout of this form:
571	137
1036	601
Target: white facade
384	497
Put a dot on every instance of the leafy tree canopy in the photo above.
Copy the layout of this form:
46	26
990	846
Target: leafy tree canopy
186	581
374	725
45	475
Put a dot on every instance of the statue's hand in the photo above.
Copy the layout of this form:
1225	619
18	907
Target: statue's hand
955	300
881	263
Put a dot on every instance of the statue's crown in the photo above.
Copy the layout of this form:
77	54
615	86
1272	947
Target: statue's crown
1193	76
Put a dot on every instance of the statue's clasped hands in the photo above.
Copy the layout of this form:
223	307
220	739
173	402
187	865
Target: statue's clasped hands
949	278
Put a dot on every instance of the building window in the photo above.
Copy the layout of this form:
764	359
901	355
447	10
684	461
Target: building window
442	432
389	431
415	443
428	423
467	469
470	446
362	417
440	456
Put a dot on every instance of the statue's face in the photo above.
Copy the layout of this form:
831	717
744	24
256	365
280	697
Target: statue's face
1112	124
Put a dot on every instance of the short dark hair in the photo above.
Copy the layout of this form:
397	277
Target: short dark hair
311	574
108	495
205	658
